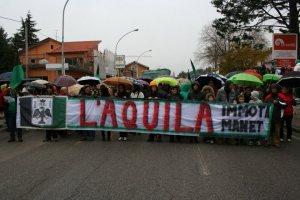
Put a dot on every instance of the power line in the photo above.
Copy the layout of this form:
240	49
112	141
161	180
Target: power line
7	18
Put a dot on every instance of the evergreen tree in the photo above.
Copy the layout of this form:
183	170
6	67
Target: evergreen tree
8	54
19	37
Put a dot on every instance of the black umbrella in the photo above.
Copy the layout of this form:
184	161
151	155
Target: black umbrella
290	79
204	80
35	85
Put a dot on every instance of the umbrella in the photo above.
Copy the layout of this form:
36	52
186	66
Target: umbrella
222	77
145	83
115	81
65	81
74	90
232	74
35	85
6	76
43	82
253	72
245	79
89	80
167	80
290	79
204	79
271	78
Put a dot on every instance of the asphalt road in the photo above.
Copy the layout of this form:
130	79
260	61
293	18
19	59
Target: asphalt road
70	169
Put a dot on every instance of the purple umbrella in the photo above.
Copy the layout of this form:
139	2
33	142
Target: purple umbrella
65	81
145	83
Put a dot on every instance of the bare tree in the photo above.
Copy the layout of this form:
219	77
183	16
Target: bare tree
210	47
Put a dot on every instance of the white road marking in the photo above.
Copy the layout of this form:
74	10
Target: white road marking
203	164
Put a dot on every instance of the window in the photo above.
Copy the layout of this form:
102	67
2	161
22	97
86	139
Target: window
51	46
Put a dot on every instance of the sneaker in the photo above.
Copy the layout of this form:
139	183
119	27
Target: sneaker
289	140
258	143
120	138
281	140
125	139
20	140
212	141
11	140
250	143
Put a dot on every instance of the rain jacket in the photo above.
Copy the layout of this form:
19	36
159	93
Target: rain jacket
290	101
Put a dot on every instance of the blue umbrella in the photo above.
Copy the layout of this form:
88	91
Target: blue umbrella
6	76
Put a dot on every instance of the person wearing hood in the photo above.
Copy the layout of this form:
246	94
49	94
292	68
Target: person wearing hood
195	93
226	94
287	95
279	105
207	90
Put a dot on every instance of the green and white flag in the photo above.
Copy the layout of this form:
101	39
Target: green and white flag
42	112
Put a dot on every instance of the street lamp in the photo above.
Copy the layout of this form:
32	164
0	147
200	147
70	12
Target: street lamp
137	61
62	40
116	48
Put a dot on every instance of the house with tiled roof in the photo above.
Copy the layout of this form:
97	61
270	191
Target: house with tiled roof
78	54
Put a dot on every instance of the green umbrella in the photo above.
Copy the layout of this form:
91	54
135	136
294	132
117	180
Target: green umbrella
245	79
17	76
167	80
271	78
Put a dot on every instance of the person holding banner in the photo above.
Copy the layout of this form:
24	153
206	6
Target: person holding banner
122	94
287	96
174	95
11	100
279	104
88	135
195	93
154	95
104	92
226	94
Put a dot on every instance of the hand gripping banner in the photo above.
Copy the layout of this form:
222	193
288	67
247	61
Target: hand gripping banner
146	116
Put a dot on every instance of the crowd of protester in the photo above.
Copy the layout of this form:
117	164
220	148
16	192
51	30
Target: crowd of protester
282	98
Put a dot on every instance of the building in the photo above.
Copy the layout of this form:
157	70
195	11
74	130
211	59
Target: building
79	55
133	69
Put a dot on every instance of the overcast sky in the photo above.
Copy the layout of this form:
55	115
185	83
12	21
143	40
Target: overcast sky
170	28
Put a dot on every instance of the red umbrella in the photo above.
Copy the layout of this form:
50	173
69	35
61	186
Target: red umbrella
65	81
254	73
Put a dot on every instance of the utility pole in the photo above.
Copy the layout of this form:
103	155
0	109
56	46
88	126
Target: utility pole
26	49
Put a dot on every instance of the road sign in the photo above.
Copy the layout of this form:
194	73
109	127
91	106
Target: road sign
120	61
285	49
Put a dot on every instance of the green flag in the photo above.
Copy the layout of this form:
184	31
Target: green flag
17	76
193	67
